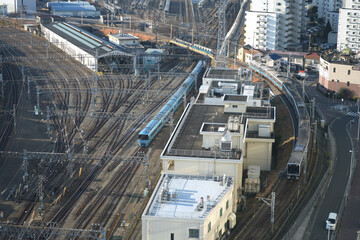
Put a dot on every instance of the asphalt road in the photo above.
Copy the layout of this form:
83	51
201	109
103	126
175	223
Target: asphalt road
334	195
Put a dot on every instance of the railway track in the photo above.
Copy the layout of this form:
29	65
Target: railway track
112	135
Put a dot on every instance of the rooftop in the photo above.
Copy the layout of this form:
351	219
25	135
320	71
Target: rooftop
180	196
230	74
84	40
341	58
123	36
187	141
71	6
235	98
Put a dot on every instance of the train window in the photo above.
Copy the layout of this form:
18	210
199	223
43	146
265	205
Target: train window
143	137
293	168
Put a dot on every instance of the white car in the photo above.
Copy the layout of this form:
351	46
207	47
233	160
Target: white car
331	221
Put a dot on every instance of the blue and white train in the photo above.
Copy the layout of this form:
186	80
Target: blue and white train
154	126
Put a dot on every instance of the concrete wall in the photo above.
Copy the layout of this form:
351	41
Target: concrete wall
234	107
258	153
205	167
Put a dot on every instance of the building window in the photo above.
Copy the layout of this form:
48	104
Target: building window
172	237
209	226
227	204
334	70
348	83
194	233
234	106
220	212
349	72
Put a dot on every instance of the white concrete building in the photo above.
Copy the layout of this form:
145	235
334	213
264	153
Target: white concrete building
83	46
124	39
349	26
222	133
275	24
3	10
329	11
189	207
18	6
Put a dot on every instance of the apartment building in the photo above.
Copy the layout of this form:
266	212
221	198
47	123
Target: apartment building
349	26
337	71
275	24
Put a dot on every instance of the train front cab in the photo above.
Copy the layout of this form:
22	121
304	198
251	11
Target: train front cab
293	171
144	140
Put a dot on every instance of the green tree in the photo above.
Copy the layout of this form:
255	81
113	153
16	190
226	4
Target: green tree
327	30
345	93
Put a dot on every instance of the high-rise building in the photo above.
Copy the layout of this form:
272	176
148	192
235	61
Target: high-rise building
275	24
20	6
349	26
329	11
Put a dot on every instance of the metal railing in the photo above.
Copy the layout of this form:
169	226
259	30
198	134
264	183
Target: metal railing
205	153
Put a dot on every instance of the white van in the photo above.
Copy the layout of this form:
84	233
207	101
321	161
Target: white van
331	221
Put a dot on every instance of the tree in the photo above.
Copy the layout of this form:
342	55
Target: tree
345	93
327	30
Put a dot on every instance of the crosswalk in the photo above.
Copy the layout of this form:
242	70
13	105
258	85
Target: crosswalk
353	114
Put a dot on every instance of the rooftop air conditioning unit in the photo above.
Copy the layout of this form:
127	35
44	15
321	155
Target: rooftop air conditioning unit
225	144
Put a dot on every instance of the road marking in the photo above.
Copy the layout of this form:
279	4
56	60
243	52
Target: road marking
353	114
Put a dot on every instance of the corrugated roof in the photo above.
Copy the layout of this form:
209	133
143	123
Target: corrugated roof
84	40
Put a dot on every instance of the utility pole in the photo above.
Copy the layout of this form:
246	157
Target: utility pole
170	31
313	109
71	165
192	35
171	122
28	86
48	120
14	114
358	130
37	98
25	168
271	202
40	193
1	78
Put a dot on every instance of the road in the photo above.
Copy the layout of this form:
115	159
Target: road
334	195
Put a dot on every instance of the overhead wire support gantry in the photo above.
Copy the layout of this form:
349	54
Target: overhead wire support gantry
220	51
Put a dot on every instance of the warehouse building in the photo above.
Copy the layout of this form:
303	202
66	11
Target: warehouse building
90	50
189	207
73	9
20	6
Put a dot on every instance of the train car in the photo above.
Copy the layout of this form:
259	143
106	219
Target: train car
155	125
202	48
295	163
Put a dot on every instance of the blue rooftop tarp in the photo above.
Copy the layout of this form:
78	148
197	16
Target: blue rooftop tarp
274	56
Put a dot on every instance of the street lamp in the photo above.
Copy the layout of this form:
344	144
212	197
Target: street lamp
351	160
